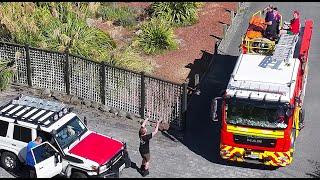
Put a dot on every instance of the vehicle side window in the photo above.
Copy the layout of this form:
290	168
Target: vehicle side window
43	152
44	135
47	137
22	134
4	128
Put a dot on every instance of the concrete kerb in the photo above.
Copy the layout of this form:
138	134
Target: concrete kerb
230	30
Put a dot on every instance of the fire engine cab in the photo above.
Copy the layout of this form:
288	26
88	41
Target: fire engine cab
262	107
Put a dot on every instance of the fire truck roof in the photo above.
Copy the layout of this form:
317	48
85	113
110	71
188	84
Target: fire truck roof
263	78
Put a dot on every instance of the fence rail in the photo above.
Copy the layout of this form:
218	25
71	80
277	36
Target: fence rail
116	87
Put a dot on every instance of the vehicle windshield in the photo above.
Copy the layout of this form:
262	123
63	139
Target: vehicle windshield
69	132
256	114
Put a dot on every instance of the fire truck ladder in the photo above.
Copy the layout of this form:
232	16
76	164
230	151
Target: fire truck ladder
284	49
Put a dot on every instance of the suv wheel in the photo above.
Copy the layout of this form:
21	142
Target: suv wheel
78	175
9	161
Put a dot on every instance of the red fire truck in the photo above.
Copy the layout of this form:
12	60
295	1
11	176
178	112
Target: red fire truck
262	107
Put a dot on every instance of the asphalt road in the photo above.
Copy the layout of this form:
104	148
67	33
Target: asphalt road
196	156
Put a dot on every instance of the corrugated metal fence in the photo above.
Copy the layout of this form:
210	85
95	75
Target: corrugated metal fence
123	89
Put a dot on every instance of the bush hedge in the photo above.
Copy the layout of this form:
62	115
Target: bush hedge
156	37
123	16
6	74
177	13
54	26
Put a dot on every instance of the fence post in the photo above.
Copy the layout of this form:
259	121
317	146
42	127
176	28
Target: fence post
67	71
239	6
142	95
216	46
196	80
225	29
28	62
184	106
103	82
233	14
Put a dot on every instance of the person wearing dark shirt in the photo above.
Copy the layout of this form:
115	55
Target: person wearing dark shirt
271	30
144	146
29	158
277	17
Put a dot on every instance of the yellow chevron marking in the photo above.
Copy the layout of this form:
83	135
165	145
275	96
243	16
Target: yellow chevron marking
234	151
290	157
280	154
275	157
240	159
262	155
255	132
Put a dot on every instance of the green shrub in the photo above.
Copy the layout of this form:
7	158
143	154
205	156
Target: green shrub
81	39
199	4
55	26
18	23
123	16
156	37
128	57
177	13
58	26
6	74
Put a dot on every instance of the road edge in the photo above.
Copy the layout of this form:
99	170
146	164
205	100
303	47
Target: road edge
234	26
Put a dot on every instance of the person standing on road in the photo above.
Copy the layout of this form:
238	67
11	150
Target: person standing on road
144	146
29	158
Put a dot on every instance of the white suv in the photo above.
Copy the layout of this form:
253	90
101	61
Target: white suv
68	147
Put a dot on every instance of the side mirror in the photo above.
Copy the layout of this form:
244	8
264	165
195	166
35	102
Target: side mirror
214	108
53	132
289	112
85	121
57	157
60	158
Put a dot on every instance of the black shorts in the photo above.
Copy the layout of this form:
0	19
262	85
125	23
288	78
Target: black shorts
145	156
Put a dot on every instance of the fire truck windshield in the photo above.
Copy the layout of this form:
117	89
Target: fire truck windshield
256	114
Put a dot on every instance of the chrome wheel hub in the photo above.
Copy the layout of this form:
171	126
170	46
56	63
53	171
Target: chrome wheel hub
9	162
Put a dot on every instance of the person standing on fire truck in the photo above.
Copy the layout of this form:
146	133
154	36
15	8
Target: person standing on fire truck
144	146
294	25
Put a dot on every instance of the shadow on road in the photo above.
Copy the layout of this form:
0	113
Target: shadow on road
199	66
21	172
202	135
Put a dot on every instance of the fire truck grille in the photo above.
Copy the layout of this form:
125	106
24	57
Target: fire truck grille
250	140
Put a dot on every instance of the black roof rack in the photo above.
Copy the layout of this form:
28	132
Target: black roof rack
34	110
